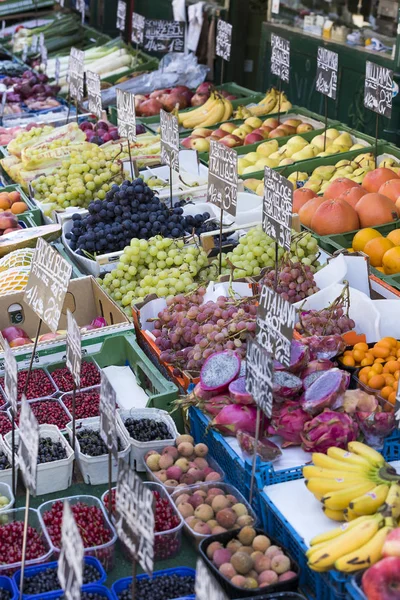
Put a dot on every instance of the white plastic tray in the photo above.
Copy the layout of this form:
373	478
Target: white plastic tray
6	475
5	490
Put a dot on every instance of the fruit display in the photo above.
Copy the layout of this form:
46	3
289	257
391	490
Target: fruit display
46	580
33	90
333	320
215	110
91	442
11	201
149	105
5	423
381	580
39	385
295	281
86	403
274	101
90	376
11	535
50	451
147	430
383	251
48	412
162	587
251	131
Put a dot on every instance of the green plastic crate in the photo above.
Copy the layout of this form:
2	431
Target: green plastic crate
18	6
33	212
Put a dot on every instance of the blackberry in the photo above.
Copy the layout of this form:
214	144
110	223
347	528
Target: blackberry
164	587
47	580
4	464
147	430
91	443
50	451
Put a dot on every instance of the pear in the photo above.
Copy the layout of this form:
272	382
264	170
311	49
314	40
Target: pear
314	184
388	163
359	179
344	171
263	162
251	157
325	172
344	163
296	143
319	141
298	176
357	147
396	170
344	139
332	133
260	190
267	148
360	171
303	154
272	162
324	186
252	184
253	122
322	154
277	155
250	169
286	161
242	165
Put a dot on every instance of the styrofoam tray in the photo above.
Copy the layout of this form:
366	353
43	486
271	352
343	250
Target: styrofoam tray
332	274
181	186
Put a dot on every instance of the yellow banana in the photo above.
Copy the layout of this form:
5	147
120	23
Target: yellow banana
348	457
368	503
334	515
327	462
194	117
348	542
374	457
228	109
366	555
285	106
342	475
215	115
267	98
350	515
392	503
342	498
320	486
326	536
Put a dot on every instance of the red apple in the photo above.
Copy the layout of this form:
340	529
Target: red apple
11	333
46	337
218	134
260	131
186	142
391	547
382	580
231	141
20	342
253	138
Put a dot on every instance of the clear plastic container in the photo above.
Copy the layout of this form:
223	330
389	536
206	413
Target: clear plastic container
6	474
5	490
53	476
140	449
105	553
47	399
60	365
18	514
94	469
170	489
67	398
228	489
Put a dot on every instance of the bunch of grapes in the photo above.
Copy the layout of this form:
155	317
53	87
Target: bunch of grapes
295	281
256	250
329	321
161	266
188	330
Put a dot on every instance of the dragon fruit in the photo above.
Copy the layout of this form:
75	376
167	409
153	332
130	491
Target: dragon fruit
285	385
238	392
234	417
299	356
215	404
326	391
325	346
328	429
288	421
265	449
219	370
317	365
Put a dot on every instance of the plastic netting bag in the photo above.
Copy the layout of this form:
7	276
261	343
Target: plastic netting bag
13	280
17	258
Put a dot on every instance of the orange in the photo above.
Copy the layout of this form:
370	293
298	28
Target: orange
392	341
348	361
380	352
391	261
362	237
358	355
379	361
18	207
367	361
392	398
383	342
348	353
361	346
396	375
377	368
364	371
369	355
376	248
389	379
14	197
391	358
391	366
377	382
363	378
398	353
4	204
394	236
386	391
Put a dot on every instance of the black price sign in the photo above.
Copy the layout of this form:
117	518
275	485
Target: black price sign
224	40
28	446
121	15
222	177
70	563
76	67
47	284
108	428
137	28
276	319
169	127
206	586
126	115
277	208
74	349
280	57
164	36
327	69
378	89
259	376
134	522
93	86
10	375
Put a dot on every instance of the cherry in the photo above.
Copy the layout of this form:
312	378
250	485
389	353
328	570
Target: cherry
90	376
39	384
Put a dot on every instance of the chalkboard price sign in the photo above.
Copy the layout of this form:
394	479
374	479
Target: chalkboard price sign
280	57
327	69
223	177
126	115
76	69
169	127
275	321
378	89
107	406
28	445
259	376
224	40
137	28
121	15
164	36
277	208
10	375
93	86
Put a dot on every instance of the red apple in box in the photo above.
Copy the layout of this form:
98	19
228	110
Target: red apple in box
271	122
218	134
20	342
391	547
231	141
205	88
382	580
12	333
253	138
260	131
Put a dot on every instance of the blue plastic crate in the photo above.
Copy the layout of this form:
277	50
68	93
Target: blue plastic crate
122	584
354	590
30	571
391	447
319	586
98	589
7	584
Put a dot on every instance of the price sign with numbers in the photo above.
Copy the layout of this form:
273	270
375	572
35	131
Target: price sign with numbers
70	562
10	375
137	28
121	15
134	522
378	89
280	57
76	67
74	349
259	376
126	115
93	86
276	319
169	140
223	42
28	446
47	284
163	36
327	72
206	586
277	208
222	177
108	402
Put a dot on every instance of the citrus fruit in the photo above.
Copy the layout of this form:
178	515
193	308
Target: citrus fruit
376	248
362	237
394	236
391	261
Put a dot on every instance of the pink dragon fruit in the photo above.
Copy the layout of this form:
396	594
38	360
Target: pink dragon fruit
234	417
328	429
288	421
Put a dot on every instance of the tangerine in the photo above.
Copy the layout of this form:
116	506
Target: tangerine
380	352
376	249
363	236
377	368
348	361
394	236
391	366
358	355
361	346
377	382
391	261
386	391
392	398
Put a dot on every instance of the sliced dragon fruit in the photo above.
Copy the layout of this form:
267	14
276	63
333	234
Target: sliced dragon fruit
299	356
311	377
265	449
238	392
286	385
317	365
219	370
325	391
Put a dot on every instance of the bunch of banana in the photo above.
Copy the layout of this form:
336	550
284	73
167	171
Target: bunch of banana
352	546
273	102
215	110
353	483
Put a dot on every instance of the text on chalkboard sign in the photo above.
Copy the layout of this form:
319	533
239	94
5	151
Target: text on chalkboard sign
163	36
169	128
378	89
126	115
93	86
222	177
277	208
280	57
259	376
137	28
223	42
327	72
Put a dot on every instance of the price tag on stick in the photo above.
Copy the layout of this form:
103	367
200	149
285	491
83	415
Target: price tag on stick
277	208
74	349
163	36
275	321
93	86
10	375
206	586
223	178
47	284
126	115
28	446
327	70
224	40
169	127
137	28
76	68
378	89
70	563
134	522
57	71
259	376
108	402
280	57
121	15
